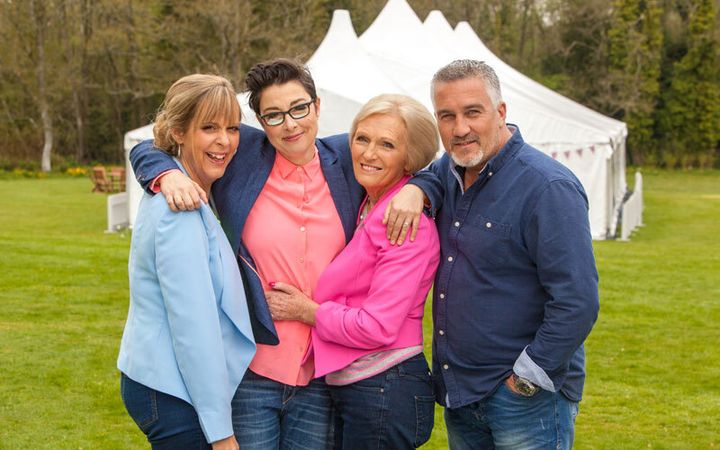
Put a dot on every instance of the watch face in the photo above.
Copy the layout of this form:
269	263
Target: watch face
525	387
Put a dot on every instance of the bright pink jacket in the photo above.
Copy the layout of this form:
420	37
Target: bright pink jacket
372	296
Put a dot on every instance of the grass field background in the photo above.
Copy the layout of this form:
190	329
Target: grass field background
653	356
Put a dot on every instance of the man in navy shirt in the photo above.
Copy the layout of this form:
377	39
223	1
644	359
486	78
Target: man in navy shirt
516	293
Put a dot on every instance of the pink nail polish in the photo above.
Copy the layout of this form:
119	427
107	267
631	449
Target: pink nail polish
272	284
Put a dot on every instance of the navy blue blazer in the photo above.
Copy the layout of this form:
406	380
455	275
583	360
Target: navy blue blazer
235	193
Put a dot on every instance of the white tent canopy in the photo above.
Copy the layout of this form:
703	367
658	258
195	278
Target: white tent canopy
399	53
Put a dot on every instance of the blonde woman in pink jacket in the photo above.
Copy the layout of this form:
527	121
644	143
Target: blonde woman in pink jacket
367	312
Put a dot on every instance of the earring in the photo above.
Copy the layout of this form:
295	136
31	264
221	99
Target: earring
179	150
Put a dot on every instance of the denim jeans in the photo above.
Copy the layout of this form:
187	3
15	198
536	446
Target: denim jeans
167	421
272	415
392	410
509	421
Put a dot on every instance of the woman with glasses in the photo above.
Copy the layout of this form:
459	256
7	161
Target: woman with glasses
288	203
367	337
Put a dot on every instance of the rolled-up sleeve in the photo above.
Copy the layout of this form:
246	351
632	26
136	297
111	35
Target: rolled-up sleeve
559	241
148	162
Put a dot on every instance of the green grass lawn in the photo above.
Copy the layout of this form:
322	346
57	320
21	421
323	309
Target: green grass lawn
653	358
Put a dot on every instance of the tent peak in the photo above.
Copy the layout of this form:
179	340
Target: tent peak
436	14
464	26
437	25
437	19
341	19
341	25
340	35
395	13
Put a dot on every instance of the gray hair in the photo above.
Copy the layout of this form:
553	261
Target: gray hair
461	69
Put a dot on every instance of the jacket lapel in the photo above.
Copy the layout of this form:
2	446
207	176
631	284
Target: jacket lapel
337	182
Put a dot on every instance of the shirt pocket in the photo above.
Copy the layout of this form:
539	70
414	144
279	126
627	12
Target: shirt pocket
486	241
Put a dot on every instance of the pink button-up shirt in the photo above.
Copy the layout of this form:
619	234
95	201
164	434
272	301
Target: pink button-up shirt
293	232
372	296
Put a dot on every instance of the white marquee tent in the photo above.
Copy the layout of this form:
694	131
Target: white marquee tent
399	53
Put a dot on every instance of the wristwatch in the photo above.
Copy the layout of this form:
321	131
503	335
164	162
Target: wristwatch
524	386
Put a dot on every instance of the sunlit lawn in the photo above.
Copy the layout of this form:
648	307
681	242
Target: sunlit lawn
653	358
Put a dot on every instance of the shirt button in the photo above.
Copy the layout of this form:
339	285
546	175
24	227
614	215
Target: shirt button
446	367
450	258
441	333
302	260
302	228
457	224
442	296
489	174
488	225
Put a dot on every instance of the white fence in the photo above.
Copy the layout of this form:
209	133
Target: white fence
117	212
632	210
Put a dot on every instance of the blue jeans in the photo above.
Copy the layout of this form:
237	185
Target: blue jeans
167	421
509	421
392	410
272	415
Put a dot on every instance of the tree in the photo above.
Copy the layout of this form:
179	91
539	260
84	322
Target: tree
691	113
635	54
577	62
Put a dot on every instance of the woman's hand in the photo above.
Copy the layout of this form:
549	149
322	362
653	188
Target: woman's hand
287	302
181	193
229	443
403	213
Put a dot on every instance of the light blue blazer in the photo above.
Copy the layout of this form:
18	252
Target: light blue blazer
188	330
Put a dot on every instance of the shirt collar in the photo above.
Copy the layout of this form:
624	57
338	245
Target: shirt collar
286	168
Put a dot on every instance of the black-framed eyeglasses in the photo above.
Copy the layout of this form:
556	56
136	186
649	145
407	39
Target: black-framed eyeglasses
276	118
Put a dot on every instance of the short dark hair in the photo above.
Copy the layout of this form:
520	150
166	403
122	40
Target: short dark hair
461	69
276	71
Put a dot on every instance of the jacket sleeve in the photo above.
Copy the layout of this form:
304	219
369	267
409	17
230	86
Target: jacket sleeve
148	162
398	273
431	184
183	270
559	242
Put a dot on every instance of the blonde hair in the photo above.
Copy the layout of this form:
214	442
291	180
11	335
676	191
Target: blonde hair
422	137
193	98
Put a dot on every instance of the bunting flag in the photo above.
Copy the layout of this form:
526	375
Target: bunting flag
569	153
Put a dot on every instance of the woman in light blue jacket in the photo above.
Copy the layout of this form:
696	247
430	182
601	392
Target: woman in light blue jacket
187	341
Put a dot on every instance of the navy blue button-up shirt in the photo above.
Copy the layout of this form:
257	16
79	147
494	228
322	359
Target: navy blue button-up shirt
517	287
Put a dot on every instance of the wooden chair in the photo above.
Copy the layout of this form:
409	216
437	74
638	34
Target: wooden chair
100	180
117	179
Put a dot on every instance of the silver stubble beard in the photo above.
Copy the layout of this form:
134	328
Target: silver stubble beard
472	162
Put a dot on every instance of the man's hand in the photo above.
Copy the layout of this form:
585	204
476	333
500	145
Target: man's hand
181	193
511	385
403	213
